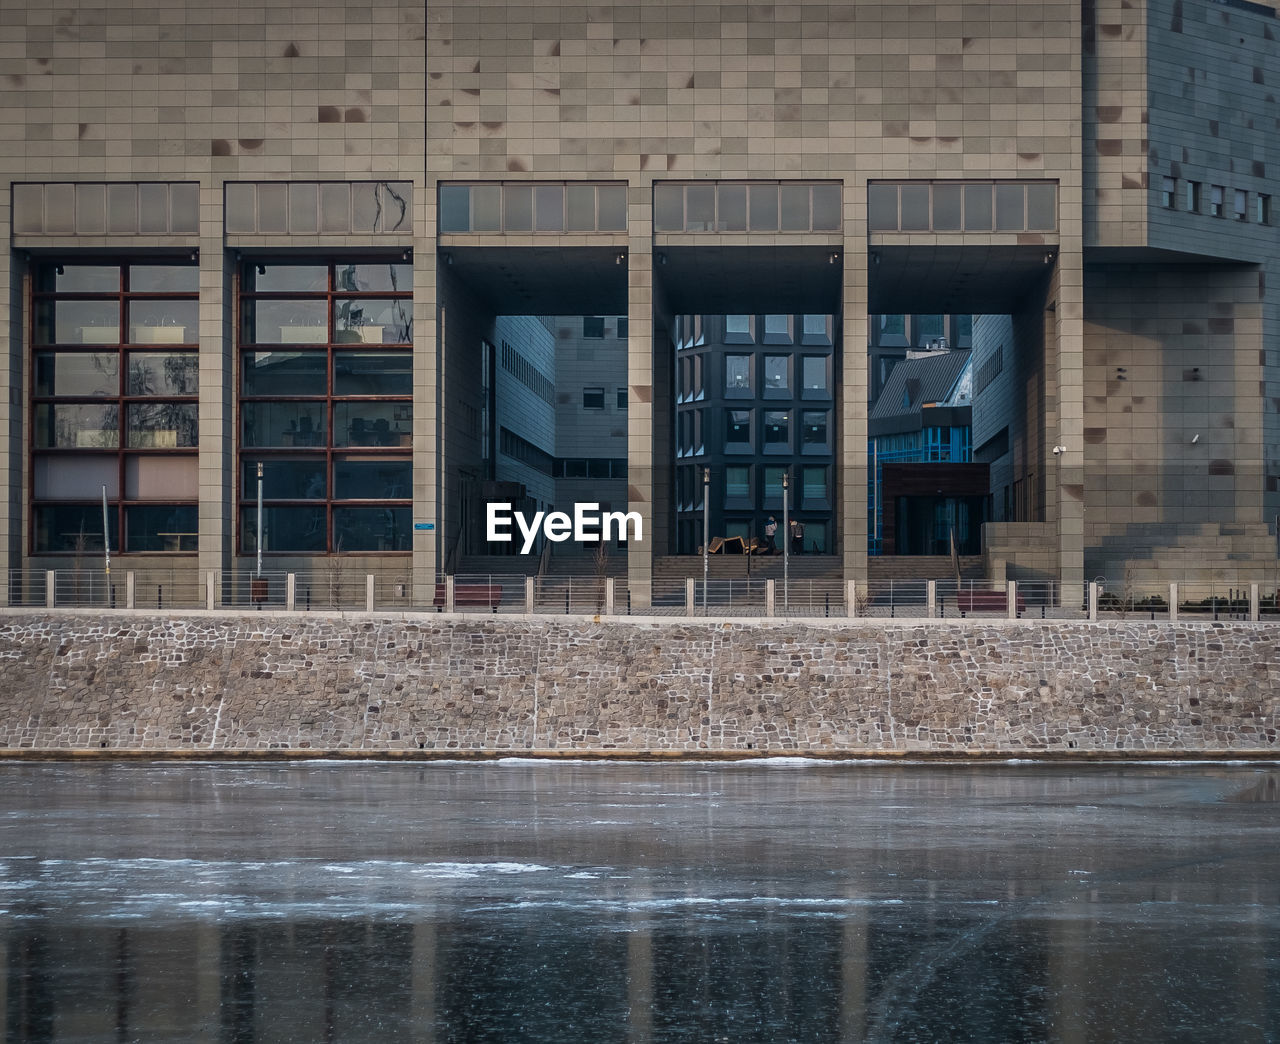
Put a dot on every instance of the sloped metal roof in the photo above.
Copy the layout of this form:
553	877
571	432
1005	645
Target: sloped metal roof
915	383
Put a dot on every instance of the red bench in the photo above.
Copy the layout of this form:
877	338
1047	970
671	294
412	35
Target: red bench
987	602
470	596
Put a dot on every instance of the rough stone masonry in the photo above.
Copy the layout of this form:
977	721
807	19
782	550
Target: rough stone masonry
378	684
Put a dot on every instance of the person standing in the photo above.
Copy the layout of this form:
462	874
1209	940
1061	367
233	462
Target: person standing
797	537
770	532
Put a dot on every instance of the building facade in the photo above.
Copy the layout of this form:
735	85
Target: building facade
288	236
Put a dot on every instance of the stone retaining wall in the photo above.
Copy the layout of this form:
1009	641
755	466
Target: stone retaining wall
305	682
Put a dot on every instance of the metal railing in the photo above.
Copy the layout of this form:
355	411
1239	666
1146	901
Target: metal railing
344	589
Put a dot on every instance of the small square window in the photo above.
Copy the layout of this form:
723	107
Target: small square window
737	375
593	398
593	326
739	329
622	398
777	429
814	375
777	329
737	482
1168	193
1193	197
1240	205
1215	200
776	373
622	327
1262	209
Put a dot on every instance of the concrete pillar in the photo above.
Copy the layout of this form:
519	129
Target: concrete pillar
129	590
448	593
369	588
290	591
852	404
1173	603
1253	602
210	589
1011	599
217	391
690	597
931	598
642	400
769	593
609	596
50	588
530	595
428	396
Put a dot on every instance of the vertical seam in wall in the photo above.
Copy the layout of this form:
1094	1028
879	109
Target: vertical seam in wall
888	685
537	666
711	678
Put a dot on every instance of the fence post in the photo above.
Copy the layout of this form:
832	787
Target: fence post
448	593
50	589
1173	603
1253	602
128	589
608	596
369	587
1012	599
768	597
210	590
690	597
1093	600
931	598
290	591
530	599
851	597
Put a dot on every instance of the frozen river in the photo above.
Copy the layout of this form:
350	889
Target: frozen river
598	902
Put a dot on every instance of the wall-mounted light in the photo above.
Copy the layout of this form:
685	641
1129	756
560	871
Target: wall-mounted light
262	270
407	255
1058	451
833	259
1195	438
620	259
195	254
1048	258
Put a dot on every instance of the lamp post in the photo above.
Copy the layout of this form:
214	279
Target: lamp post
259	519
786	540
706	533
106	542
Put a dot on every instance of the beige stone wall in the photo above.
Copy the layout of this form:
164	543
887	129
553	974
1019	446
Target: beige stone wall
261	682
178	90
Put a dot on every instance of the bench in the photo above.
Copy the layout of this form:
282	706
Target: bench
987	602
470	596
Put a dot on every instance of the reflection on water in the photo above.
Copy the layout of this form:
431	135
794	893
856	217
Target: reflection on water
600	902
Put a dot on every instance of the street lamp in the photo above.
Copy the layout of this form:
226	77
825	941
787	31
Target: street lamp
259	519
786	541
706	533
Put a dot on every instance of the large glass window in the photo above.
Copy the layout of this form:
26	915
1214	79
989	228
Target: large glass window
114	406
329	417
